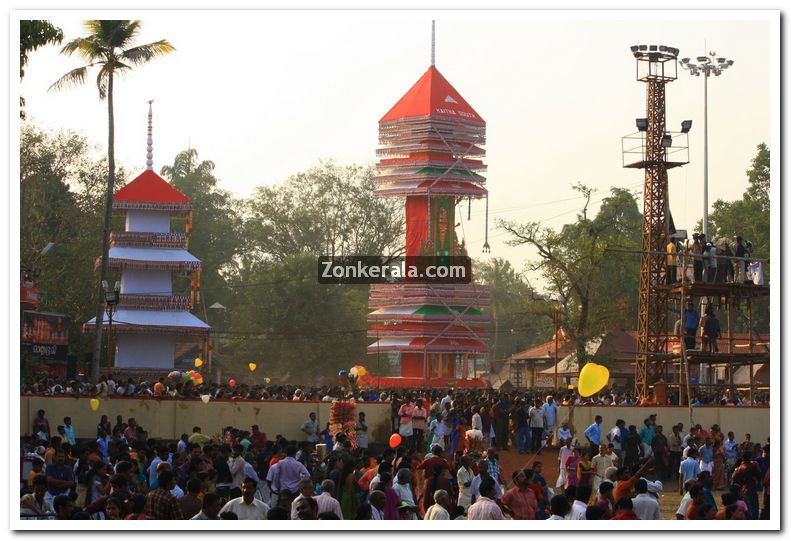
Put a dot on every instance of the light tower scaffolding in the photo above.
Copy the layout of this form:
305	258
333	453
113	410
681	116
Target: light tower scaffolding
655	66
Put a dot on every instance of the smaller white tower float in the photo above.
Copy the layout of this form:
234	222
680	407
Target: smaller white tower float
149	318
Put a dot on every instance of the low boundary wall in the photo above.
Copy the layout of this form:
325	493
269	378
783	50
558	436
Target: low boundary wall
168	419
739	420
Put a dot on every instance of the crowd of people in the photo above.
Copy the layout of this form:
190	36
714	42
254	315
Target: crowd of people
722	261
173	387
446	467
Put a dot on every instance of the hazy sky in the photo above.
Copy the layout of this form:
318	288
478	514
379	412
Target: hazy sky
267	94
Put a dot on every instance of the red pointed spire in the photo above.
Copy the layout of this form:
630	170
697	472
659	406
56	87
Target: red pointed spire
433	95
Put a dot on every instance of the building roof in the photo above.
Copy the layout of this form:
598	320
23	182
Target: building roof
149	188
621	345
433	95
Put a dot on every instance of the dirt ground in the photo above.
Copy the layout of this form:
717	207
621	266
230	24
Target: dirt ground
511	460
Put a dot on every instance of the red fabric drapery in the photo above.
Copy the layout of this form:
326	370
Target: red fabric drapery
416	224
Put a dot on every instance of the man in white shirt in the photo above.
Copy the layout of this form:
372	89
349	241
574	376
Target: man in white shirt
311	429
681	512
559	507
600	463
377	500
537	422
564	433
483	474
644	505
403	488
464	477
237	465
305	491
614	436
580	504
550	413
564	453
438	511
247	507
485	508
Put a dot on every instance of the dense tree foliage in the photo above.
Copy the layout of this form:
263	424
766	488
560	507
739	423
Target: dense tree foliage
61	187
32	35
596	287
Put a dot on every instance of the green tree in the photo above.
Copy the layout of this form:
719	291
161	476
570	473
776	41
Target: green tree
512	326
747	217
326	210
108	47
59	185
32	35
280	317
216	228
597	287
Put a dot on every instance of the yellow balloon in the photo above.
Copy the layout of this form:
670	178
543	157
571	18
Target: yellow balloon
198	362
268	381
593	378
94	404
252	367
361	371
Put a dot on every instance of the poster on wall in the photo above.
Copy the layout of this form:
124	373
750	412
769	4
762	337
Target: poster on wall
45	334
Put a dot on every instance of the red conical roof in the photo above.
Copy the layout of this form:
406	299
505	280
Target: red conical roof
150	188
433	95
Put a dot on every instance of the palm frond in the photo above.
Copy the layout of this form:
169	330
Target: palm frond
101	81
87	48
143	53
73	78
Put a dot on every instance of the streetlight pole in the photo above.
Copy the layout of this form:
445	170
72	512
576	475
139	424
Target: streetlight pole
707	65
111	298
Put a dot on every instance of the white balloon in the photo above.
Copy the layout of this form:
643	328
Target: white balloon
205	398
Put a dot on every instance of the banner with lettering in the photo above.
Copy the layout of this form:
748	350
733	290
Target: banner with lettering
45	334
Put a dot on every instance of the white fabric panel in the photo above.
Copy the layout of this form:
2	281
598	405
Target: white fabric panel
145	351
153	318
151	254
149	221
146	282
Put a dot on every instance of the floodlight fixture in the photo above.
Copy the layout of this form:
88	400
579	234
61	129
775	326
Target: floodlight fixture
667	141
686	125
641	123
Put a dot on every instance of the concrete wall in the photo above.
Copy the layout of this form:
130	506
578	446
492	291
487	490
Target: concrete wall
754	421
168	419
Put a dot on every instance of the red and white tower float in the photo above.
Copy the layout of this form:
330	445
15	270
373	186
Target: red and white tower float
430	155
149	318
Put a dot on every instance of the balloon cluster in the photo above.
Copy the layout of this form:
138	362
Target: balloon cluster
352	376
193	376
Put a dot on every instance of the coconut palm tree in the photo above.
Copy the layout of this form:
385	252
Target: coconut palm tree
109	47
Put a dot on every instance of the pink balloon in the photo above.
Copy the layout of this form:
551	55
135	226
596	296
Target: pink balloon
232	383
